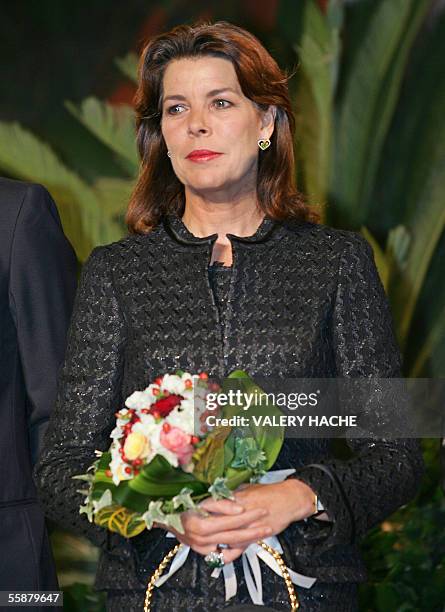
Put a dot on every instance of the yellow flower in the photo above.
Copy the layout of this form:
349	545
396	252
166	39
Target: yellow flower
136	446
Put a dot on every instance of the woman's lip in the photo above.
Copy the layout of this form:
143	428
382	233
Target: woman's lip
202	156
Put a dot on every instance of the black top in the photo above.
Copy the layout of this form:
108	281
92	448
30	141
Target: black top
219	278
303	301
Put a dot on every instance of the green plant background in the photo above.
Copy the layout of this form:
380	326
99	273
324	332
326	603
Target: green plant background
369	99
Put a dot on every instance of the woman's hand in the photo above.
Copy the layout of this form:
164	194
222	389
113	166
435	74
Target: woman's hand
227	523
284	502
258	512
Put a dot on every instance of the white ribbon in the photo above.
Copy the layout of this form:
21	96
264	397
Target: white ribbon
250	559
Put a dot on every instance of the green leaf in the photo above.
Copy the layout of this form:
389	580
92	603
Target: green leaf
174	521
211	456
421	187
238	374
434	337
397	247
367	104
85	221
236	477
104	501
159	479
220	490
120	520
128	65
154	514
248	455
156	480
183	500
387	598
114	195
103	464
318	51
268	438
111	124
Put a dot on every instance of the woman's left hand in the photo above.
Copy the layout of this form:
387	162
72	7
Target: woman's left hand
284	502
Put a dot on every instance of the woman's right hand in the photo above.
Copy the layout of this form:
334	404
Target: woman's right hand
227	522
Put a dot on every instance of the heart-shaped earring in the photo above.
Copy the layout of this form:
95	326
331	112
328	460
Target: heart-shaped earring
264	144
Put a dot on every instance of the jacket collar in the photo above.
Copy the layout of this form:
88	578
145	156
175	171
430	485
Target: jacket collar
175	227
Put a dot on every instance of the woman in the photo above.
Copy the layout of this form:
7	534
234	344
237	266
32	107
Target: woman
225	268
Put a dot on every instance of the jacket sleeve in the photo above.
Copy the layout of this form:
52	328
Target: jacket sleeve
87	397
383	474
41	294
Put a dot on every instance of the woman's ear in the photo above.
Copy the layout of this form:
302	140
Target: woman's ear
268	121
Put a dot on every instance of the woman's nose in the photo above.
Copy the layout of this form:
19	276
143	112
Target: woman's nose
198	123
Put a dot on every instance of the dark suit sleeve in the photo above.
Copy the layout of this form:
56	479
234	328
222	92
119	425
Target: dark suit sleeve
384	474
42	288
89	392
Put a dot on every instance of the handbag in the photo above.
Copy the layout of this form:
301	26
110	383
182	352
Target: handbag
242	608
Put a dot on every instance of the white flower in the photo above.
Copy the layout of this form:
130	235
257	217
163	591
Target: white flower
173	383
147	420
114	450
148	427
183	416
186	405
138	399
116	433
188	376
117	467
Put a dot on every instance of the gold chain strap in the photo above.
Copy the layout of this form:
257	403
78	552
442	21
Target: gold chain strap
157	574
294	605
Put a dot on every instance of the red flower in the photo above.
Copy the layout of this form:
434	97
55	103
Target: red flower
164	406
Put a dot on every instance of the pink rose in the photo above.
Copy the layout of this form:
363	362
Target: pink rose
179	443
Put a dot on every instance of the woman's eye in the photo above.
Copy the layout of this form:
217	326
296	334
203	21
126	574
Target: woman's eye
224	102
171	109
176	109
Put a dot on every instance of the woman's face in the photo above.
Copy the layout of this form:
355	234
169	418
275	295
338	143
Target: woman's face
204	110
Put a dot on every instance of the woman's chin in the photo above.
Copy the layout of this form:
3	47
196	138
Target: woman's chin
207	184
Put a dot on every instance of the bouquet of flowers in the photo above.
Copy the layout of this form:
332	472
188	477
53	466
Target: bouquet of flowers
165	458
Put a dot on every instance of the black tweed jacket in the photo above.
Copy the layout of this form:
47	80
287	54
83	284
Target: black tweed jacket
305	300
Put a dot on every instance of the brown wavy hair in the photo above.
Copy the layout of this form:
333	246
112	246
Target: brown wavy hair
158	191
